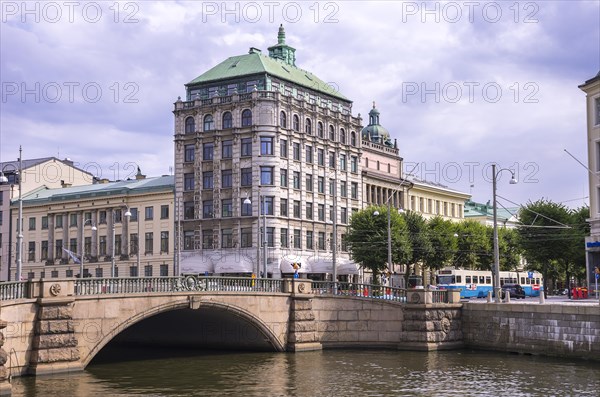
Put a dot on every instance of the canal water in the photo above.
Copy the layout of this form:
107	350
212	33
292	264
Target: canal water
135	372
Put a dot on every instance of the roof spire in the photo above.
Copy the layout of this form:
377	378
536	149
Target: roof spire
373	104
281	35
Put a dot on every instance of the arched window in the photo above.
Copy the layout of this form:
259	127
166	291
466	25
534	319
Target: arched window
353	138
209	123
190	125
308	127
246	118
331	133
342	136
282	119
227	120
296	123
320	129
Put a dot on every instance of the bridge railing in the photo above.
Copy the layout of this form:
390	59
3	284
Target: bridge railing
357	289
13	290
133	285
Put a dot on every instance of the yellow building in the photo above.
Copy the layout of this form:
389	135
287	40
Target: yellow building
103	220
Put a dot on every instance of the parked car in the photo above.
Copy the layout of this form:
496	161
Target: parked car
516	291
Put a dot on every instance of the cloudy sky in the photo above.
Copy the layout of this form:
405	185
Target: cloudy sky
459	84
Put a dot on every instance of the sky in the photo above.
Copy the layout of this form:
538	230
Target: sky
460	85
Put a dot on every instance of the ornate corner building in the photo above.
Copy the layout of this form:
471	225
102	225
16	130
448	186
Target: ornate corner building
270	164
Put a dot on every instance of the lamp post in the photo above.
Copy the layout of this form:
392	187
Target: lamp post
128	216
94	228
261	201
20	221
513	181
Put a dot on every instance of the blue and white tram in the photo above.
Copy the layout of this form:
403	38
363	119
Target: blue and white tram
477	283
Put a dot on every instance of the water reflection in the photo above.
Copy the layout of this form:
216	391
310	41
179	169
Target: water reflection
328	373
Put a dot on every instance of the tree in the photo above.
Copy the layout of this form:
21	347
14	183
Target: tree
510	249
545	236
443	243
367	239
474	246
420	242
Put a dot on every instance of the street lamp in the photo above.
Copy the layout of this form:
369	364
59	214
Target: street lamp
128	215
513	181
389	228
20	221
261	200
94	228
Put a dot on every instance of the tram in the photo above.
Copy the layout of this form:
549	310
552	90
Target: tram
477	283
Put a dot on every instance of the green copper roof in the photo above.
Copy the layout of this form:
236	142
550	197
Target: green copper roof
255	63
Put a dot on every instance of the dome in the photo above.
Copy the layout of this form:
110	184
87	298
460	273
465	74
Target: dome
375	132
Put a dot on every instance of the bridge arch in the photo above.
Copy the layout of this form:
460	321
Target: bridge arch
94	345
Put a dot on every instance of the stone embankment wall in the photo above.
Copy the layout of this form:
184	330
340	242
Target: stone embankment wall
553	330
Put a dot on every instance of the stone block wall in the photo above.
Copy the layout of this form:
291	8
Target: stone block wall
554	330
432	327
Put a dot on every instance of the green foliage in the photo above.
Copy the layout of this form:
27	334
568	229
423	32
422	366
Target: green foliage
474	246
510	249
443	243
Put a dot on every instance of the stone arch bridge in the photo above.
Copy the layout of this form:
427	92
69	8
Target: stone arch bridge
59	325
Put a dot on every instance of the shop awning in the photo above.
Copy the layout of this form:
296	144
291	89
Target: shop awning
193	262
233	263
286	264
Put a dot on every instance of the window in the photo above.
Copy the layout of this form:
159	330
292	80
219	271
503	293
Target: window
308	127
266	176
227	208
597	103
296	151
117	216
99	272
283	237
321	212
246	208
246	237
207	180
133	244
227	149
54	274
282	119
354	190
321	241
207	209
283	177
343	162
149	243
342	136
207	151
297	238
164	270
270	237
320	129
226	238
227	120
246	176
246	118
331	187
309	210
353	138
188	154
209	123
188	210
332	159
188	181
296	179
283	207
344	243
268	205
321	157
353	164
58	244
164	242
266	145
283	152
190	125
343	189
321	184
207	239
188	240
296	209
69	273
149	213
147	271
44	222
344	215
309	183
246	147
44	253
309	239
332	216
72	220
32	223
309	154
296	123
164	212
226	178
102	246
31	252
331	133
117	243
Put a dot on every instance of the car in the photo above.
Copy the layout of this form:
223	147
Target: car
516	291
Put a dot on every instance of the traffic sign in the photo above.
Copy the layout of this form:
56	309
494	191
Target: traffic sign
597	276
529	274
